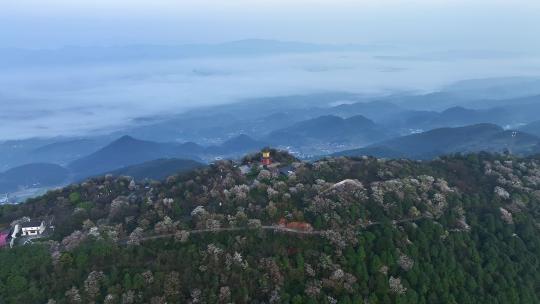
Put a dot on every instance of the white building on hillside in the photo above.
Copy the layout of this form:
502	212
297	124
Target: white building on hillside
32	228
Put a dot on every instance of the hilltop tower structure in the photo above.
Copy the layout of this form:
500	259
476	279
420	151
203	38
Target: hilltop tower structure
266	158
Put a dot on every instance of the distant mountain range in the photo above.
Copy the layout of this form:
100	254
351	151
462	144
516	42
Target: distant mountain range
377	110
146	159
124	156
532	128
33	175
503	88
235	145
157	169
518	111
60	151
474	94
329	129
50	175
263	119
474	138
65	151
398	125
396	114
128	151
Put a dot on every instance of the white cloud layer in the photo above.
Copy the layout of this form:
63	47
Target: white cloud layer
70	101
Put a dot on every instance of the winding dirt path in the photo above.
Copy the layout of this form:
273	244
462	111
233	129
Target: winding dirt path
278	229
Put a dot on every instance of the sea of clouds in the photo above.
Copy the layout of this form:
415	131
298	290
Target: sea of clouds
74	99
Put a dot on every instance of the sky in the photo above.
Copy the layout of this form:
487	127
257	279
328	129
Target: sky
500	24
429	45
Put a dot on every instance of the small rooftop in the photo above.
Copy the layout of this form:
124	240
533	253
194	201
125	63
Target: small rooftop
34	223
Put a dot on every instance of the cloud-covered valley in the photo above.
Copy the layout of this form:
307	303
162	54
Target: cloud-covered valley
73	99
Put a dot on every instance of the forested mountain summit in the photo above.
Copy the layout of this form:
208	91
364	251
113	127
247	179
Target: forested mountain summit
457	229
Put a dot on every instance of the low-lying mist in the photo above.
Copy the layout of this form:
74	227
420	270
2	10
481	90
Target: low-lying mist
74	99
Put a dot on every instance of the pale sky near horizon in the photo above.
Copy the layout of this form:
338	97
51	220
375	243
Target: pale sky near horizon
448	24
